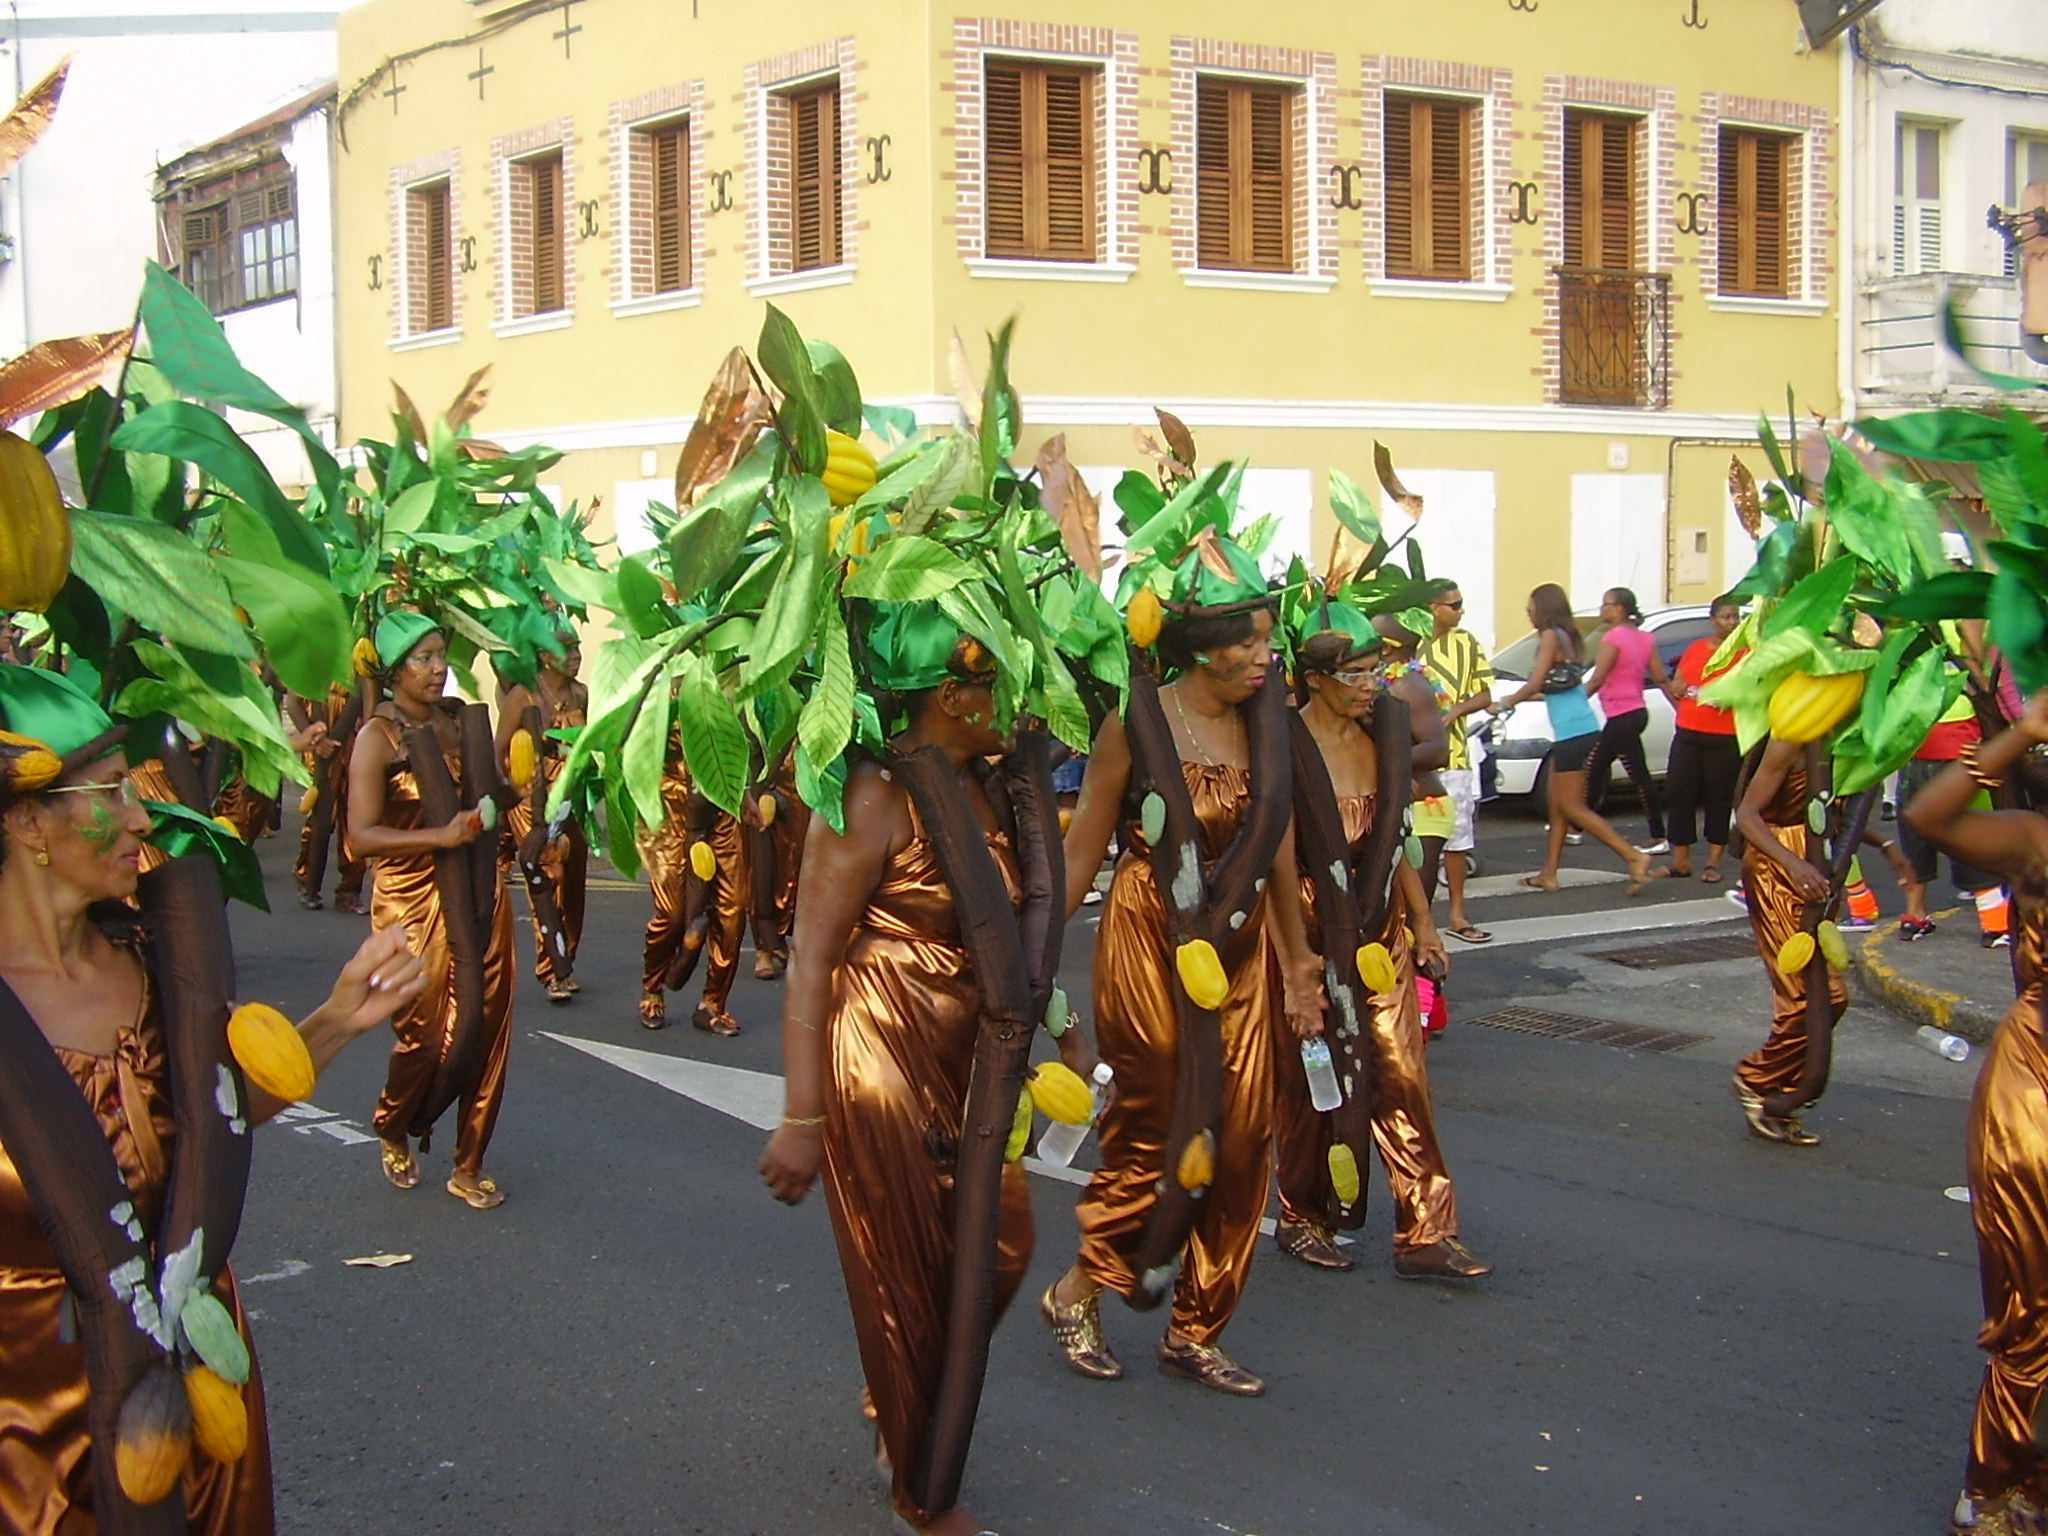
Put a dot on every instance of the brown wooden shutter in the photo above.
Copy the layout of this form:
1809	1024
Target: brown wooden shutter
1427	195
1768	195
1398	143
1244	176
669	217
1599	188
1752	225
814	151
437	307
1449	202
545	181
1038	136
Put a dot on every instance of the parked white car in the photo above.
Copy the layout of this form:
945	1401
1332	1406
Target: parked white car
1519	742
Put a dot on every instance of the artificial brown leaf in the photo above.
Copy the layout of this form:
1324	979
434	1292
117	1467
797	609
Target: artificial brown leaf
965	390
1866	631
1211	554
31	115
52	373
408	414
731	417
1383	466
1069	503
469	400
481	448
1742	492
1178	438
1171	471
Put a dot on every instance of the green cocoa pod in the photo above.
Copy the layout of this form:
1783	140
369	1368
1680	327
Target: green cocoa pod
214	1339
1152	819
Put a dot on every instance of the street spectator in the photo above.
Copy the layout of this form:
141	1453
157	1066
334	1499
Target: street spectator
1705	760
1954	731
1623	660
1456	665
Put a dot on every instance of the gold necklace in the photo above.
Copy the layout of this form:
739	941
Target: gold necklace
1189	726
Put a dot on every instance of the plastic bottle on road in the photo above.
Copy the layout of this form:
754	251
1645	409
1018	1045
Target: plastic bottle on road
1954	1047
1058	1143
1322	1076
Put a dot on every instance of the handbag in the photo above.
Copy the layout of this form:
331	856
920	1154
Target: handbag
1564	676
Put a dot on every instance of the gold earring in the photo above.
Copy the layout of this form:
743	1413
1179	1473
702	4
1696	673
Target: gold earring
43	857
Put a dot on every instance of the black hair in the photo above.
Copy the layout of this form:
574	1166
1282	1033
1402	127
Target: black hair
1330	650
1182	639
1726	600
1551	609
1625	600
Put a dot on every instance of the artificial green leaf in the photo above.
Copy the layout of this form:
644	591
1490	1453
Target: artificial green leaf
901	570
179	830
158	577
640	602
79	621
1170	526
186	431
1952	333
1917	698
1772	451
838	391
710	535
1816	602
826	724
968	606
1890	657
891	423
301	623
411	508
2029	458
646	750
251	727
621	846
583	584
1950	595
790	615
787	362
1138	501
1354	509
1942	437
714	740
823	789
1865	518
930	498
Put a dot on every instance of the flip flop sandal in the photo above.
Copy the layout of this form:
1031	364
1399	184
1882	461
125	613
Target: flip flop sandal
483	1195
399	1166
1710	876
1470	934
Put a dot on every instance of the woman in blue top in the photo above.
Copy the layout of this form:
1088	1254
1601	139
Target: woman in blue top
1560	650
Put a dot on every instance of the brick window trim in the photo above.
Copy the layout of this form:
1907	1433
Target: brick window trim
1809	226
768	160
1114	55
1489	89
511	214
1312	76
415	175
632	260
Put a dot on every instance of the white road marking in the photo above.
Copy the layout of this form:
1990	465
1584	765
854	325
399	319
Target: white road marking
288	1269
343	1132
1574	926
1511	885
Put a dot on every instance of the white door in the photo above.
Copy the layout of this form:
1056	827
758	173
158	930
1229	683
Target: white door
630	499
1618	538
1456	533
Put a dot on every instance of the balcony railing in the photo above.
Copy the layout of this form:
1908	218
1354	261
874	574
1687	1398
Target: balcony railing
1616	337
1900	350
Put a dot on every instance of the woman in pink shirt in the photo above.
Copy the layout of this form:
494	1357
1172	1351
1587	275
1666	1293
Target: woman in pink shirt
1624	660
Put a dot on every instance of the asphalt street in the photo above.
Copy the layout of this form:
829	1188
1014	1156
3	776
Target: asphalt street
1689	1330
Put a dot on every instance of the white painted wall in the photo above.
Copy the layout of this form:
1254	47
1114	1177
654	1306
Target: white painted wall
1456	533
1994	29
1288	495
1618	538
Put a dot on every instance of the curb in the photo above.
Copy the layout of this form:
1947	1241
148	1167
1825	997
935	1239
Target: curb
1947	1011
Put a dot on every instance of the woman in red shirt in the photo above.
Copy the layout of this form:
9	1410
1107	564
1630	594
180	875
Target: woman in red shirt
1705	760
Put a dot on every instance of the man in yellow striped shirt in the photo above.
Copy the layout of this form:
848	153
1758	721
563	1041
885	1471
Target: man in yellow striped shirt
1457	668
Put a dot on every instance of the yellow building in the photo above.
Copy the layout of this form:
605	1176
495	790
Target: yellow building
1556	256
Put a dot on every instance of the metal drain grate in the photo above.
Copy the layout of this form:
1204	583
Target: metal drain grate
1584	1031
1655	957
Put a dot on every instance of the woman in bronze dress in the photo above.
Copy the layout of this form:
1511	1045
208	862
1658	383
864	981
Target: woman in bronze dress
74	955
388	826
2005	1477
558	871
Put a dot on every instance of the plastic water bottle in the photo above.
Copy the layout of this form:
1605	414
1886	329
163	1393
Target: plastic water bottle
1954	1047
1322	1077
1058	1143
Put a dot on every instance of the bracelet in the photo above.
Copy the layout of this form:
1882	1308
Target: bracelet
803	1119
1968	758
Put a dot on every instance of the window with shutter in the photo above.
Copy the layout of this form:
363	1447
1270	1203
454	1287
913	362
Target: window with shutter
1244	175
1916	191
1428	194
813	212
668	213
1600	191
1038	132
237	237
430	279
1752	208
545	289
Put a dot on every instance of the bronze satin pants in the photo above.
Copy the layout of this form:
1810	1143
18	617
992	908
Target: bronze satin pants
1403	1117
1138	1035
569	877
2008	1148
1774	914
330	774
666	851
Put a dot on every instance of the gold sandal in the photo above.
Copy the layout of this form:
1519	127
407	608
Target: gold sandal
483	1195
399	1167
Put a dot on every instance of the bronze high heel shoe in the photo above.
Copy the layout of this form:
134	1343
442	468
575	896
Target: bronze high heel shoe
1209	1365
1446	1260
1077	1331
1312	1243
1785	1128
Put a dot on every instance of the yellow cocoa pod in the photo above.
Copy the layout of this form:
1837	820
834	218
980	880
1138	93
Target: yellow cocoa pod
1144	617
220	1419
1805	708
703	862
153	1435
520	758
1197	1161
1376	968
1833	945
1795	954
1059	1093
309	799
765	809
228	827
270	1052
34	764
35	530
1201	973
1344	1174
1020	1130
849	469
363	659
1066	821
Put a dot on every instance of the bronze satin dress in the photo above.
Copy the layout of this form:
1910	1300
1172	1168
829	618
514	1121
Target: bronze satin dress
569	874
901	1043
665	850
1774	913
1403	1117
45	1451
403	893
1138	1035
2008	1142
792	824
330	775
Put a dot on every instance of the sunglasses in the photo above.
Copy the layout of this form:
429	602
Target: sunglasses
122	789
1445	603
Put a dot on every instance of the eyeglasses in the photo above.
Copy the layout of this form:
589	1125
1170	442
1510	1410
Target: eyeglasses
1360	678
122	789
